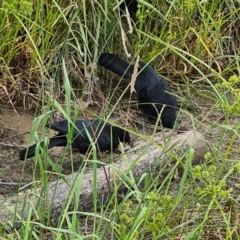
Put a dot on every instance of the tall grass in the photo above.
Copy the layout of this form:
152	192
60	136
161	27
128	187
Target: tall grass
48	51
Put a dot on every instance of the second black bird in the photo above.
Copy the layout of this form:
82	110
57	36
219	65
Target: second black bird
107	137
132	6
154	94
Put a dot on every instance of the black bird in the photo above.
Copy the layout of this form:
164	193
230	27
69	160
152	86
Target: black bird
132	6
107	136
154	94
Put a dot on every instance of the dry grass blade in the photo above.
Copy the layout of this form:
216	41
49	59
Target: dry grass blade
124	39
134	75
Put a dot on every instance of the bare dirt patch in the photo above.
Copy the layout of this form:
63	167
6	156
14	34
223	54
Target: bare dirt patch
14	133
15	130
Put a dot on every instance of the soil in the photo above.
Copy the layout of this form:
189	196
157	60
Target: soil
14	132
16	125
15	128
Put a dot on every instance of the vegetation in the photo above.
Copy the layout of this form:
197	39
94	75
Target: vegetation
48	55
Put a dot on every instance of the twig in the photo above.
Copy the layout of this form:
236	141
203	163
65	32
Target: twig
12	145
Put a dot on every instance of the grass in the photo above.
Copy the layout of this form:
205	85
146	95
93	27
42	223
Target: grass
48	54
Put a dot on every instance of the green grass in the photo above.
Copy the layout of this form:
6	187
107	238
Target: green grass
47	56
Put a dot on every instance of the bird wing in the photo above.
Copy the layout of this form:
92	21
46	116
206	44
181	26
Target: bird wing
104	141
158	93
147	77
63	127
99	131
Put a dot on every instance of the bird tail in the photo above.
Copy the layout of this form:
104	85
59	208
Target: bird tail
54	141
116	65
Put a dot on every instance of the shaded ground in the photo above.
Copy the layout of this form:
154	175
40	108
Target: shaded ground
14	132
15	128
